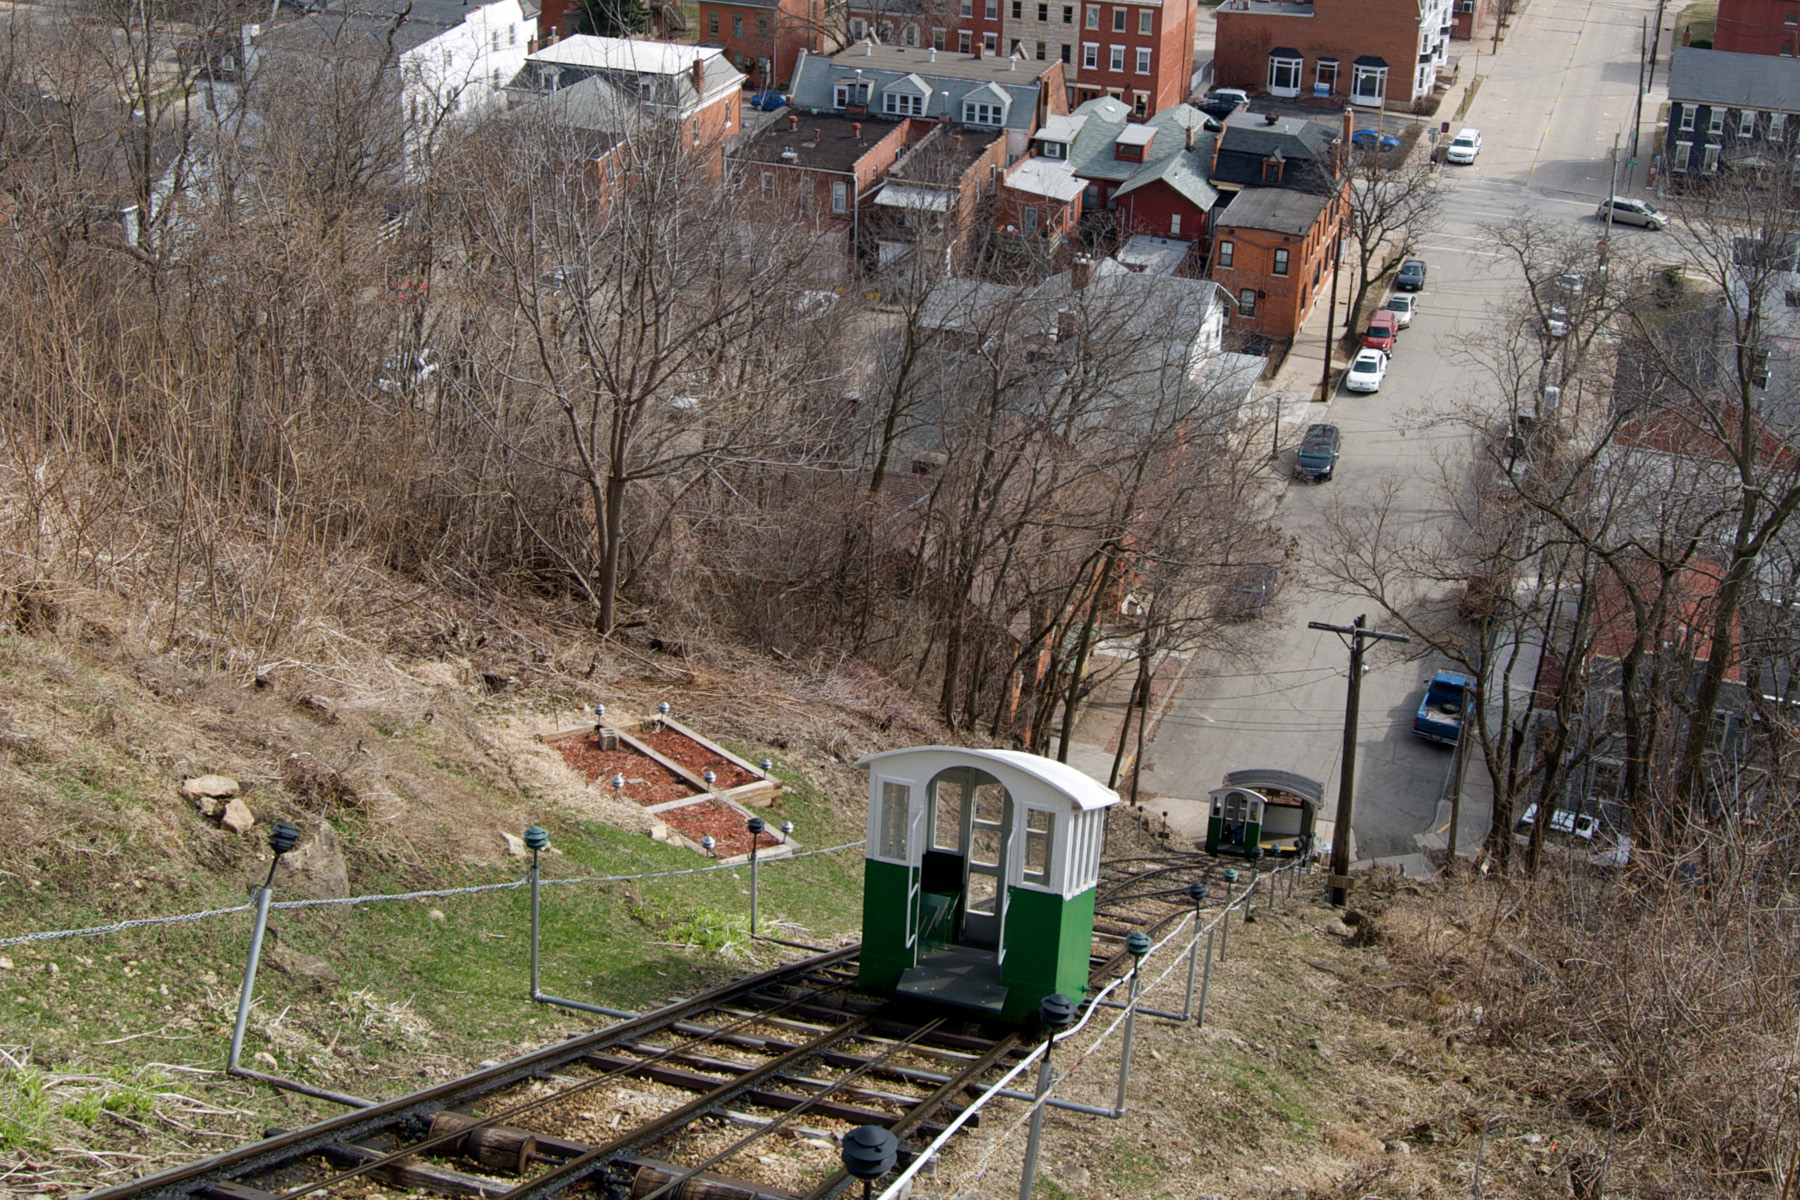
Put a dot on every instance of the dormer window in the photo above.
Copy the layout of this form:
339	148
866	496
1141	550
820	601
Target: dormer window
1053	150
1272	168
849	92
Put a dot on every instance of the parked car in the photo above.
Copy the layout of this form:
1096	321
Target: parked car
1374	139
1463	147
1481	597
767	101
1563	821
405	371
1367	370
1403	308
1318	454
1564	300
1255	589
1222	102
1383	330
1632	212
1412	275
1440	715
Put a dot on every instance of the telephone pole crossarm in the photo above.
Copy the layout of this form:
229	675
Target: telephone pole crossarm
1355	634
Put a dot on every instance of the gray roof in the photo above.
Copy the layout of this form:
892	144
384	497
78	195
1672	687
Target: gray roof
1279	209
602	91
1764	81
950	77
1168	159
359	27
1249	139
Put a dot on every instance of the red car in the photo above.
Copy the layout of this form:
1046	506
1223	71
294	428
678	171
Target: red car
1384	329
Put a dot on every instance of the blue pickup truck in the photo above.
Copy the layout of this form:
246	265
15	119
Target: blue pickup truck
1440	716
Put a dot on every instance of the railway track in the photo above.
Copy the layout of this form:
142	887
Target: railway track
736	1094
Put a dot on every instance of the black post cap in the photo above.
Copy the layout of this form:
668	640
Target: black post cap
1197	892
1138	944
869	1151
537	837
1056	1012
755	825
283	837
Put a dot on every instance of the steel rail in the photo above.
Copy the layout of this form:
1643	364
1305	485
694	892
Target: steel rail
349	1126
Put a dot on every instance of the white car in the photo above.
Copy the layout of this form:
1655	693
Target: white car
1403	308
1564	821
1366	371
1464	146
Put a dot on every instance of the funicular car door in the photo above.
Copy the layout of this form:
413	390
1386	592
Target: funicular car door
987	837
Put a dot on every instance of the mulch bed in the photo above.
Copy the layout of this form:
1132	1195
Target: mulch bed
680	748
647	781
724	822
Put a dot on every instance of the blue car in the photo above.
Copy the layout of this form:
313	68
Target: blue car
1371	139
767	101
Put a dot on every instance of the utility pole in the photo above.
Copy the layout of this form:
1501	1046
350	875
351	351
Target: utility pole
1655	45
1353	633
1331	312
1637	113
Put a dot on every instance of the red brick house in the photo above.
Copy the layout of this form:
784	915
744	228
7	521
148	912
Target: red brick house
1758	27
1141	53
763	38
1366	52
1148	177
822	172
1273	250
1038	210
1466	16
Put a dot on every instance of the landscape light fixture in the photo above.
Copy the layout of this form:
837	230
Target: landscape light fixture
707	843
787	830
709	777
600	712
662	706
618	781
869	1153
282	838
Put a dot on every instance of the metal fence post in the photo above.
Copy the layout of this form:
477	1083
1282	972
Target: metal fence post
1197	891
1056	1013
1138	944
1205	980
281	840
536	837
755	825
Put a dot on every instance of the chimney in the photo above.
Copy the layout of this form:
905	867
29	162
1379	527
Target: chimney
1012	63
1190	147
1271	118
700	75
793	120
868	47
977	49
1212	168
1349	127
1081	271
856	129
932	55
956	140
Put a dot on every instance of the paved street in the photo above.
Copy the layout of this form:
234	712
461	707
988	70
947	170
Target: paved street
1549	107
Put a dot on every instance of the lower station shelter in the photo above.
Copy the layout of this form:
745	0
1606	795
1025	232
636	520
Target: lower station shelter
979	879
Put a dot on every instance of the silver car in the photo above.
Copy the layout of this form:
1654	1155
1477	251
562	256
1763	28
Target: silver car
1632	212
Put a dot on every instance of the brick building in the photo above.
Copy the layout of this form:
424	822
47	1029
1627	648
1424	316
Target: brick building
1758	27
1466	16
1141	53
824	170
1148	177
1366	52
762	38
1274	250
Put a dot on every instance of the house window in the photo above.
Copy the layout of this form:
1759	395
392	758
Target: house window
1687	117
850	92
1040	52
1118	19
1144	21
1090	56
495	45
1747	123
903	104
1715	121
1054	150
712	23
496	79
1018	10
976	112
1090	195
1684	152
1065	52
1143	60
512	36
937	39
1246	308
859	28
968	8
1709	160
1116	58
737	27
1029	220
768	184
963	42
1140	104
840	196
1284	75
909	36
1327	74
1368	83
1224	255
990	43
992	10
1043	13
1093	16
762	24
1068	14
1281	262
1175	223
1777	126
